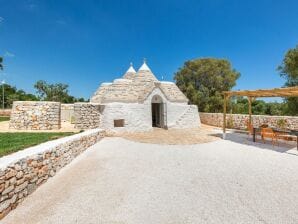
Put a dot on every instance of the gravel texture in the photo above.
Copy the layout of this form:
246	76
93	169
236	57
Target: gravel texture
121	182
172	136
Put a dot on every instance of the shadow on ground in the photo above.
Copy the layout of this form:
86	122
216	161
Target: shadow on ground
282	147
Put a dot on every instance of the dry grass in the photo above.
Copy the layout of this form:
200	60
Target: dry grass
173	136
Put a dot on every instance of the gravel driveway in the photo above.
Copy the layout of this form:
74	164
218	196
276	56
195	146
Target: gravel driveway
118	181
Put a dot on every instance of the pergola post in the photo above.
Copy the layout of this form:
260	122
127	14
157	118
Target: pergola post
249	109
252	95
224	116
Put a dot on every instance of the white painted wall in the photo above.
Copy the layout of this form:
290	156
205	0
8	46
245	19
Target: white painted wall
189	119
137	116
179	115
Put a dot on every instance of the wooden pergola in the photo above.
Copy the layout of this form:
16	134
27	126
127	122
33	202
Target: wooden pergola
252	94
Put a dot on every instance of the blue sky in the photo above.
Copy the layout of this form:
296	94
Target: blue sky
84	43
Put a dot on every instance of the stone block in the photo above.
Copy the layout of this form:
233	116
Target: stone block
16	185
30	115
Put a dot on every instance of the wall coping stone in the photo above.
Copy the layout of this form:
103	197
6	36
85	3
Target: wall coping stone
255	115
239	121
37	101
5	161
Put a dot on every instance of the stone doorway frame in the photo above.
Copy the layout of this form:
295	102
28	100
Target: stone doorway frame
157	112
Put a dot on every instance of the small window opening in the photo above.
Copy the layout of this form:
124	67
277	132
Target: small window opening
119	123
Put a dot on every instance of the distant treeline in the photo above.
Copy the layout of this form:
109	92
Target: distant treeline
48	92
239	105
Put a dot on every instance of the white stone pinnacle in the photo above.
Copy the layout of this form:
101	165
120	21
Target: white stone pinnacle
144	67
131	69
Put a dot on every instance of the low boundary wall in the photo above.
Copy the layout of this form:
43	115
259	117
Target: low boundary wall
22	172
87	115
35	115
5	112
238	121
67	112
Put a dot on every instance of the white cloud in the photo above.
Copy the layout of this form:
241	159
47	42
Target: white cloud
1	20
8	54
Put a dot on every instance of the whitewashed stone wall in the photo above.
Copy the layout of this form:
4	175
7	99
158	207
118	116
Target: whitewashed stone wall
22	172
179	115
67	112
188	119
87	115
35	115
137	117
238	121
183	116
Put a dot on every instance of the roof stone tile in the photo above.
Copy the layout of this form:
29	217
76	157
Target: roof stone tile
134	88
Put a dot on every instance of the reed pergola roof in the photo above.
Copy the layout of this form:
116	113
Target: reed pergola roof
252	94
277	92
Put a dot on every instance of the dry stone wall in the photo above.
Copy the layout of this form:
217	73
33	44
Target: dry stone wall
87	115
22	172
238	121
35	115
5	112
67	112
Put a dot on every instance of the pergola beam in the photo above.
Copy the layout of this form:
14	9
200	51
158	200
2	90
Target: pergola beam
252	94
277	92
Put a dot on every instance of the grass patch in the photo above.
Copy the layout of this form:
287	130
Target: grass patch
12	142
4	118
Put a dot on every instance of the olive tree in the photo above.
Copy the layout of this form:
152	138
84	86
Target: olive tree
204	80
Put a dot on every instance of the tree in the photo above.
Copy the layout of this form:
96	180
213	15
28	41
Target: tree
239	105
52	92
55	92
13	94
274	108
1	63
289	70
203	80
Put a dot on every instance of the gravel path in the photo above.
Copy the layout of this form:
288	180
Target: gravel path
118	181
203	134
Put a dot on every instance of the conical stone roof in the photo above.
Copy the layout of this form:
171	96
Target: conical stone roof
134	87
130	73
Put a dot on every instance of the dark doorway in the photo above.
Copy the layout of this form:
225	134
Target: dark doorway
156	109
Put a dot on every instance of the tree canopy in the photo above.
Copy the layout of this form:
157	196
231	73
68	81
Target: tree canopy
13	94
239	105
289	70
50	92
203	80
55	92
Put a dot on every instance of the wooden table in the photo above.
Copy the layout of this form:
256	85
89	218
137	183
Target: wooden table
288	132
